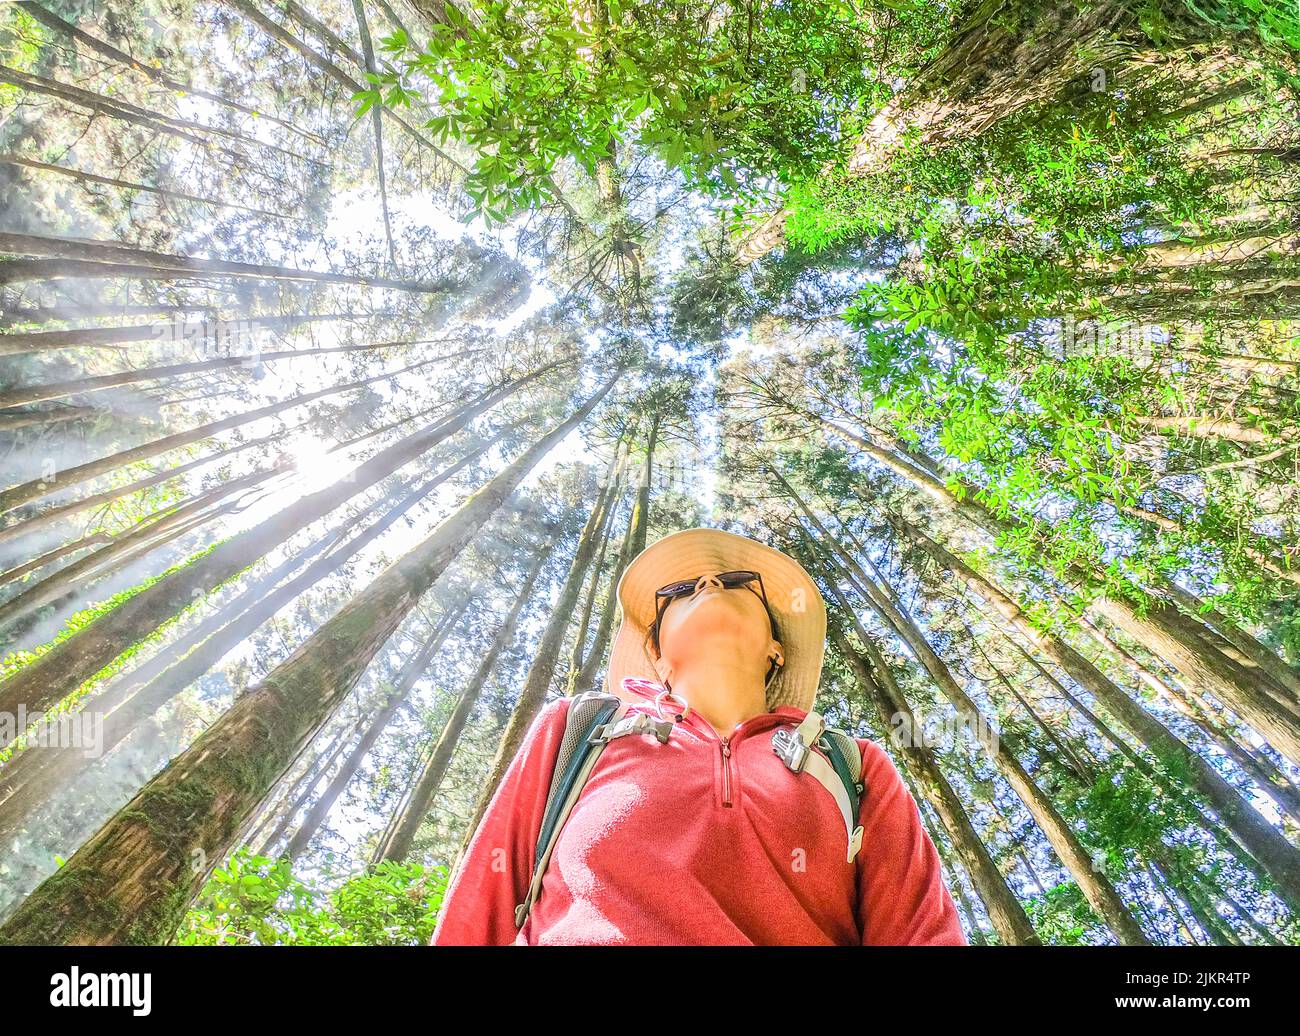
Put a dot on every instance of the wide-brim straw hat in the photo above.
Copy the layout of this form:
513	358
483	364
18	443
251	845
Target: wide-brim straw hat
791	594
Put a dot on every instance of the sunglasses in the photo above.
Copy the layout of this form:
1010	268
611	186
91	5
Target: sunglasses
665	595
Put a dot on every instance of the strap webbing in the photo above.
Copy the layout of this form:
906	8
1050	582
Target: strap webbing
817	766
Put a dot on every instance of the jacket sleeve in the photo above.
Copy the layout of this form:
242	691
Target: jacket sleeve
902	898
478	908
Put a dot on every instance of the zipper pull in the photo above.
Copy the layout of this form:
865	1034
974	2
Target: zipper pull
726	771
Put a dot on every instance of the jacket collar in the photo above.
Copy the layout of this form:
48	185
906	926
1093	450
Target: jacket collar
650	689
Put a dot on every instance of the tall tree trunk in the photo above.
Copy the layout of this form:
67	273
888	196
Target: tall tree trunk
81	386
1196	653
608	502
57	554
1204	658
130	185
299	794
16	342
130	544
1277	858
377	125
59	672
1003	907
1003	58
53	21
133	881
37	488
586	679
37	774
66	310
541	673
112	107
28	779
1252	651
407	678
113	256
32	522
329	68
318	28
1270	779
395	843
1065	756
12	422
642	519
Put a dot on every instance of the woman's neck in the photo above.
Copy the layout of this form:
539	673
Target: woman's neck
724	694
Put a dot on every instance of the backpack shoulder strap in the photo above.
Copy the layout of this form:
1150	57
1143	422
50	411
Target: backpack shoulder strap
586	713
593	720
845	756
837	767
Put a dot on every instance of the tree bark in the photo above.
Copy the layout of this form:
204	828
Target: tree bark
1270	780
65	667
12	422
1005	912
133	881
1278	859
396	842
541	673
299	794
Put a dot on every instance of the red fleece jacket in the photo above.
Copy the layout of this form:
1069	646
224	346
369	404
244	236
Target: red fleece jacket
701	841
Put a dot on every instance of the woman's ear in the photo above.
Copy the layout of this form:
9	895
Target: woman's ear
776	653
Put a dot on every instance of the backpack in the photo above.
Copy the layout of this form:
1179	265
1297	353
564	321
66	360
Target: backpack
595	718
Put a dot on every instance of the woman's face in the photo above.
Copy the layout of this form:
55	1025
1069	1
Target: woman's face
717	624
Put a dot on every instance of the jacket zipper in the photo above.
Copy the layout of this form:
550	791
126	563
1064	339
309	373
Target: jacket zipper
724	746
726	771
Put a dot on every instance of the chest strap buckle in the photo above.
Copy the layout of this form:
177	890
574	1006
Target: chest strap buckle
634	723
787	744
792	744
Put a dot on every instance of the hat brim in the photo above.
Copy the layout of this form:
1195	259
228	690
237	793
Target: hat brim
791	594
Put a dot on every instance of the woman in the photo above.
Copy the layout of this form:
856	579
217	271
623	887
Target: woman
705	835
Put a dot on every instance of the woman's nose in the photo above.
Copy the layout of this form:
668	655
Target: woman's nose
707	581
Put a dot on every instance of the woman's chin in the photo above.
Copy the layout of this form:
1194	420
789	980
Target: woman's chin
717	642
